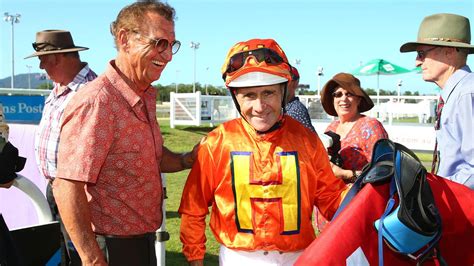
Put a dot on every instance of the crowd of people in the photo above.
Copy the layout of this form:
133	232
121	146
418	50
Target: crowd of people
100	147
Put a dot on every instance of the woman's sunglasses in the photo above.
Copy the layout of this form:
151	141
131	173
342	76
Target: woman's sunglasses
339	94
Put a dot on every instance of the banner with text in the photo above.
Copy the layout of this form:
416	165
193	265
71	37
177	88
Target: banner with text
22	109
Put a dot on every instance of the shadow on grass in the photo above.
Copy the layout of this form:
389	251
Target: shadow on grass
172	214
175	258
198	130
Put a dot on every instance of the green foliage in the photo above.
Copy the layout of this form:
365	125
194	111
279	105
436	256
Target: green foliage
45	86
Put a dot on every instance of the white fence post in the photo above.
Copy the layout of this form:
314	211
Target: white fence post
197	122
161	234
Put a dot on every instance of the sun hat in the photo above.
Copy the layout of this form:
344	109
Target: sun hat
442	30
349	83
256	62
54	42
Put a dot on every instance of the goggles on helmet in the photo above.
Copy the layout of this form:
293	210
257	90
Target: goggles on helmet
255	55
261	55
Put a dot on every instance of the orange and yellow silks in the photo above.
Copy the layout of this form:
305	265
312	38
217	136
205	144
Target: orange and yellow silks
262	189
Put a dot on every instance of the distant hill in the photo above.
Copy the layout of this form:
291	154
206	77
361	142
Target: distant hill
21	81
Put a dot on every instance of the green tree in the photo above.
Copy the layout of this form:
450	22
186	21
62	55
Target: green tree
45	86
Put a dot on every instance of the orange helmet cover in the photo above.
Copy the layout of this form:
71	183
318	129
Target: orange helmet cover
252	65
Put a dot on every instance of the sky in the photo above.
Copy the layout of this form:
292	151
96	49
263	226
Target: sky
337	35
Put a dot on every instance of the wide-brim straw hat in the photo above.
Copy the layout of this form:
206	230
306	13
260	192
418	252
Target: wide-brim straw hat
448	30
54	42
349	83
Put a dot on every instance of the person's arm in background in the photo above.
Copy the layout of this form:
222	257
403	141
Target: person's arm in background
175	162
344	174
331	190
84	144
76	217
7	185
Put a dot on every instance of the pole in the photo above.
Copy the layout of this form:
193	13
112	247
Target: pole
195	46
207	70
319	73
194	76
29	76
177	71
319	85
378	91
12	19
13	56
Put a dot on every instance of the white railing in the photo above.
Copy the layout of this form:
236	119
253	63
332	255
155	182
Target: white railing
195	109
10	92
185	109
218	109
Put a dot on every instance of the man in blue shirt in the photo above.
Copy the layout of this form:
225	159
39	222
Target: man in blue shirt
294	107
442	47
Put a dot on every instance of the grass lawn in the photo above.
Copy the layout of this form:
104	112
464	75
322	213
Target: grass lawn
180	139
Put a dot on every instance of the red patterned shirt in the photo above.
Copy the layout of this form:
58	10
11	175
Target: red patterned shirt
356	147
110	140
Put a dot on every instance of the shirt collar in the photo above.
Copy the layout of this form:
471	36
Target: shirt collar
451	83
79	79
129	94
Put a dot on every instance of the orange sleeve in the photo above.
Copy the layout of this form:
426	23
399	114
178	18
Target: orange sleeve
193	237
330	190
195	201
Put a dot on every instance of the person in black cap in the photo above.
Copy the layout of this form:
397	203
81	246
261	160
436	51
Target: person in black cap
59	56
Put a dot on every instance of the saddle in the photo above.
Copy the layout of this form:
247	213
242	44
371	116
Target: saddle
413	226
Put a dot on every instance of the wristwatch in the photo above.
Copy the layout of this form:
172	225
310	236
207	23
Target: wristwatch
354	176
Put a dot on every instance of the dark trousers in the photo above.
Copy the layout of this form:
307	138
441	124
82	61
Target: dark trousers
69	255
130	250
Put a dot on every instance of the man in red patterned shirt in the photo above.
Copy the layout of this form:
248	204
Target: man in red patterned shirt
111	151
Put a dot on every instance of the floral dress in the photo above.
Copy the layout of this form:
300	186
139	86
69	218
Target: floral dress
356	149
357	146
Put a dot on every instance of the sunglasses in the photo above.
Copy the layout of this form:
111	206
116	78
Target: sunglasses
161	44
41	46
422	53
261	55
339	94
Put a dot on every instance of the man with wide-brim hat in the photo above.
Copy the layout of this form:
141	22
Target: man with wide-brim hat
59	57
54	42
442	46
